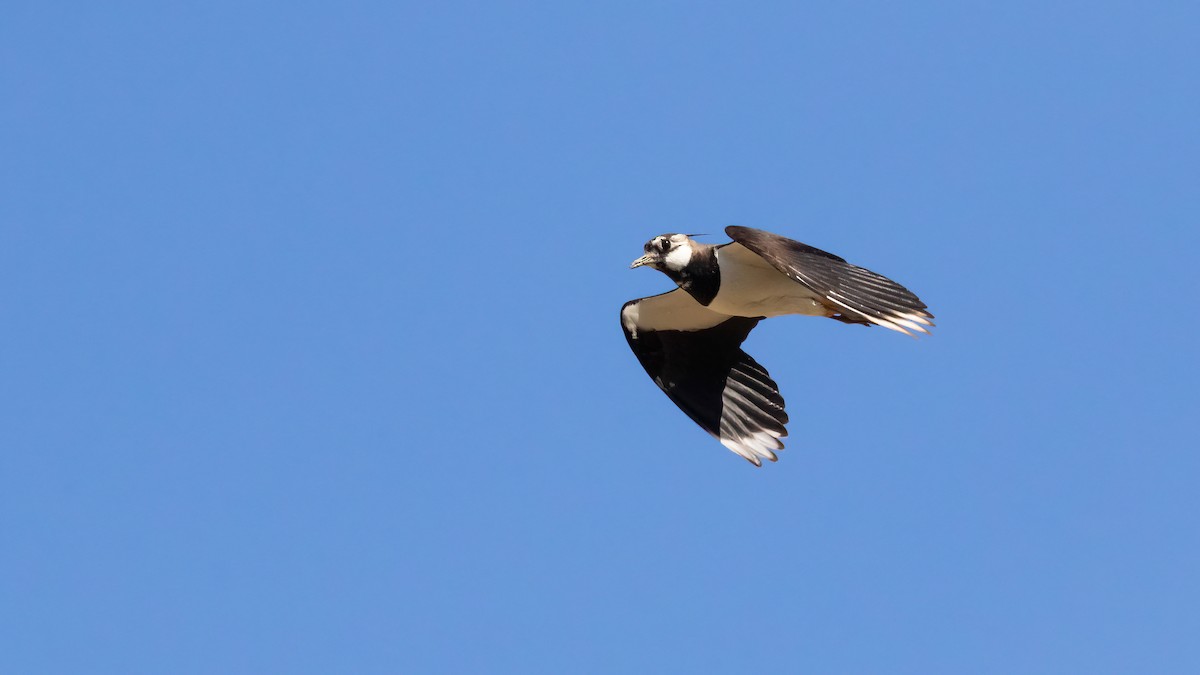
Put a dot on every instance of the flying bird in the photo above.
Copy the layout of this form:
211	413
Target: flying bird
689	339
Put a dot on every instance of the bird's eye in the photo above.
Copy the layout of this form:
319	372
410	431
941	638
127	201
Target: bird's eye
664	244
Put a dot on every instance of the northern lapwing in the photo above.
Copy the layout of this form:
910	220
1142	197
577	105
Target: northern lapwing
689	339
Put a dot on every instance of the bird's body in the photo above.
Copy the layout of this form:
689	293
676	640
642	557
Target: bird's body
751	287
689	340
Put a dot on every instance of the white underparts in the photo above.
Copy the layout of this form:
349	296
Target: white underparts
675	310
751	287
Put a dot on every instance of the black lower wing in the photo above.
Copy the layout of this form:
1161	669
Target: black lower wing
719	386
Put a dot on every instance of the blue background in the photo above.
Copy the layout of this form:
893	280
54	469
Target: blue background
311	359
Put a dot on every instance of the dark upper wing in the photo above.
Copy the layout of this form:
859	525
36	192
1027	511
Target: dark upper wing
694	355
854	290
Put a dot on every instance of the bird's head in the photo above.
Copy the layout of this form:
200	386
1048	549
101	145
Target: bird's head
667	253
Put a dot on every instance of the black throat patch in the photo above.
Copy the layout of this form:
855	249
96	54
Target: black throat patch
702	276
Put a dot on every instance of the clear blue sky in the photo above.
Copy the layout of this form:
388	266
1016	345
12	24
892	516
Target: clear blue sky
310	355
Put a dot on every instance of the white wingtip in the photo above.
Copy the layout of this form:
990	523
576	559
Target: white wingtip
754	448
901	323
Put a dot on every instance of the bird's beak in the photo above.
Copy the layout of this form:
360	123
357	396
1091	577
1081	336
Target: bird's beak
644	260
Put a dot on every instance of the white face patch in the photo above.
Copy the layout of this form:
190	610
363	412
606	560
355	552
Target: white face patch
679	256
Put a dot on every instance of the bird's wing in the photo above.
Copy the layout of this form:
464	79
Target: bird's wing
694	355
855	291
